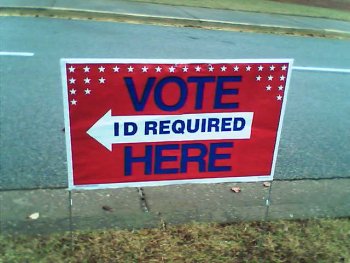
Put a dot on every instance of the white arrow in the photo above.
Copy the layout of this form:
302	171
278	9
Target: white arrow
102	130
110	130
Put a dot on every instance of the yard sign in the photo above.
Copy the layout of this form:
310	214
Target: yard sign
159	122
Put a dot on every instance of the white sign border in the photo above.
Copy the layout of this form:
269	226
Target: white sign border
259	178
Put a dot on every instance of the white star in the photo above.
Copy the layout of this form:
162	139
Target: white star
270	78
284	67
72	81
130	69
86	69
223	68
185	69
87	80
144	69
158	69
211	68
73	101
198	69
258	78
116	69
279	97
272	68
268	88
102	80
87	91
71	69
172	69
236	68
282	78
248	68
73	91
260	68
101	69
280	87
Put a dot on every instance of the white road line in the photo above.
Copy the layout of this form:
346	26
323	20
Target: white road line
337	70
18	54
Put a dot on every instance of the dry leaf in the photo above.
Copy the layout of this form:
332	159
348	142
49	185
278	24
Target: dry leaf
235	189
107	208
33	216
266	184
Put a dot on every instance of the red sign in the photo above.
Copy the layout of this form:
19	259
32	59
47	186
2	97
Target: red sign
157	122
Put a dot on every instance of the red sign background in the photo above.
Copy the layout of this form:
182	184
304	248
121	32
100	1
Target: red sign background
93	87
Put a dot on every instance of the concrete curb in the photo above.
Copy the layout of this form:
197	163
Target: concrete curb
171	205
168	21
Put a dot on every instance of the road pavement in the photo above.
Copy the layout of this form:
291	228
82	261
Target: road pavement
315	138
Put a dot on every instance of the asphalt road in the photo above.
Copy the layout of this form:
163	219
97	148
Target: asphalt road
315	137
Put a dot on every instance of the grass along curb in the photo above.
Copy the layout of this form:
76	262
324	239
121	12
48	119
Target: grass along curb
321	240
263	6
168	21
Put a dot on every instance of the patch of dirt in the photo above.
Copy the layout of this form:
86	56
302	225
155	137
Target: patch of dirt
343	5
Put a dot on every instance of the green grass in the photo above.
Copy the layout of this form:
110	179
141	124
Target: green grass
263	6
325	240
